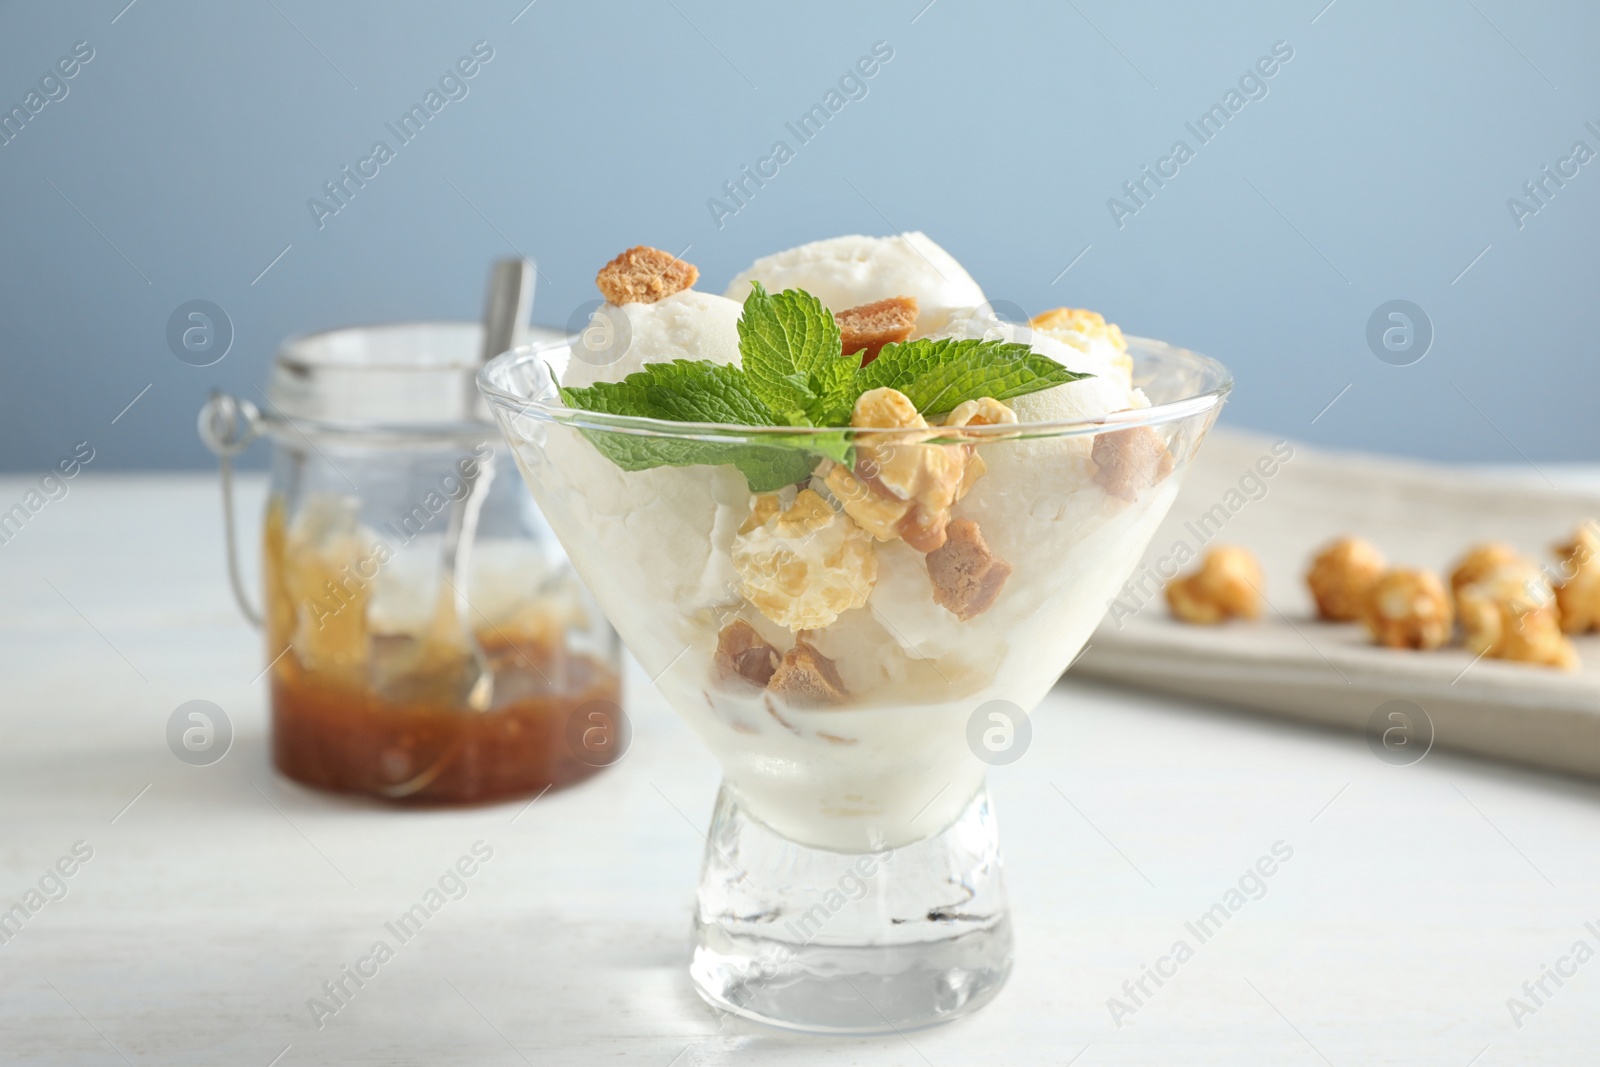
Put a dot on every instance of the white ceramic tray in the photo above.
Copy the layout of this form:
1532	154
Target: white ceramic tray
1283	500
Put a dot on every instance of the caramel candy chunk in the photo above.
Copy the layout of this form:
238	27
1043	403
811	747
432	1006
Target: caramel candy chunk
807	677
1409	609
866	329
744	655
1227	585
643	275
1130	461
1341	577
967	577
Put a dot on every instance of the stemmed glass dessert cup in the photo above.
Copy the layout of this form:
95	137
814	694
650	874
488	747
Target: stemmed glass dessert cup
852	878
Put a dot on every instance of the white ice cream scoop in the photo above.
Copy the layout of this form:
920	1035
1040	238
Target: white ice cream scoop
621	340
846	272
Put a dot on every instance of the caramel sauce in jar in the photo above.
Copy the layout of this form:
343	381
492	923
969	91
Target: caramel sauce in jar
394	715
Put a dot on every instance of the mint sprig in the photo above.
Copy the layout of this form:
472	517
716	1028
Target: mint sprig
790	348
795	374
692	391
938	375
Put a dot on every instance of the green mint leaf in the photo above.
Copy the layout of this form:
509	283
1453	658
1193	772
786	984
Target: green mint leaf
789	345
698	391
938	375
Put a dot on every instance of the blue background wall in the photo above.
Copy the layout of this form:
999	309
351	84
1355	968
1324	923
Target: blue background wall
1378	166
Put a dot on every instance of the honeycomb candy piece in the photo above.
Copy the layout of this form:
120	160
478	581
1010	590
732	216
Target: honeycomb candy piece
744	656
1479	561
967	577
1227	585
1091	324
1130	461
644	275
866	329
803	566
1408	608
806	677
1341	576
1578	591
1510	613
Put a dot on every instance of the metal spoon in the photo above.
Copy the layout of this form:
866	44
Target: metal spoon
505	321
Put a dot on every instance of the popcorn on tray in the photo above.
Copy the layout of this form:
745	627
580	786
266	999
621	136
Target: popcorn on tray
1408	609
1481	560
1227	585
1342	575
1510	613
1578	591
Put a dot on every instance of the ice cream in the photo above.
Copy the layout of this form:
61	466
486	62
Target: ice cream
846	272
620	339
830	641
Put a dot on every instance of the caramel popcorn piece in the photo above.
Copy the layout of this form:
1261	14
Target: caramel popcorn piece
866	329
1130	461
744	655
1578	591
880	514
643	275
1227	585
967	577
1510	613
900	468
1408	609
1341	576
1079	320
986	411
803	566
1479	561
806	677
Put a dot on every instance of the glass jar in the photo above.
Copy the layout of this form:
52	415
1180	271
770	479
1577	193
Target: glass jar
427	639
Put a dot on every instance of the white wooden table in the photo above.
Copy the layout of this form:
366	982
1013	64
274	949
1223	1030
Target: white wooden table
219	899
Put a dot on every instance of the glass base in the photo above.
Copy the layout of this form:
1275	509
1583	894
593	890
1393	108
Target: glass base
833	942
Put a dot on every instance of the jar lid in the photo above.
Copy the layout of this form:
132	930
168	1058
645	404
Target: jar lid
401	376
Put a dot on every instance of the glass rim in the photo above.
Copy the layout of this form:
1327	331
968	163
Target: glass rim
1215	375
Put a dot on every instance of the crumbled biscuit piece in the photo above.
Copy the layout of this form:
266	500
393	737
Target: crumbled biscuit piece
1510	613
1479	561
744	656
866	329
1408	609
643	275
1080	320
899	465
1130	461
1227	585
807	677
1341	577
802	567
1578	591
967	577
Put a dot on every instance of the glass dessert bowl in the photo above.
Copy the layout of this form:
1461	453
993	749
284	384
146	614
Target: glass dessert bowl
855	615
